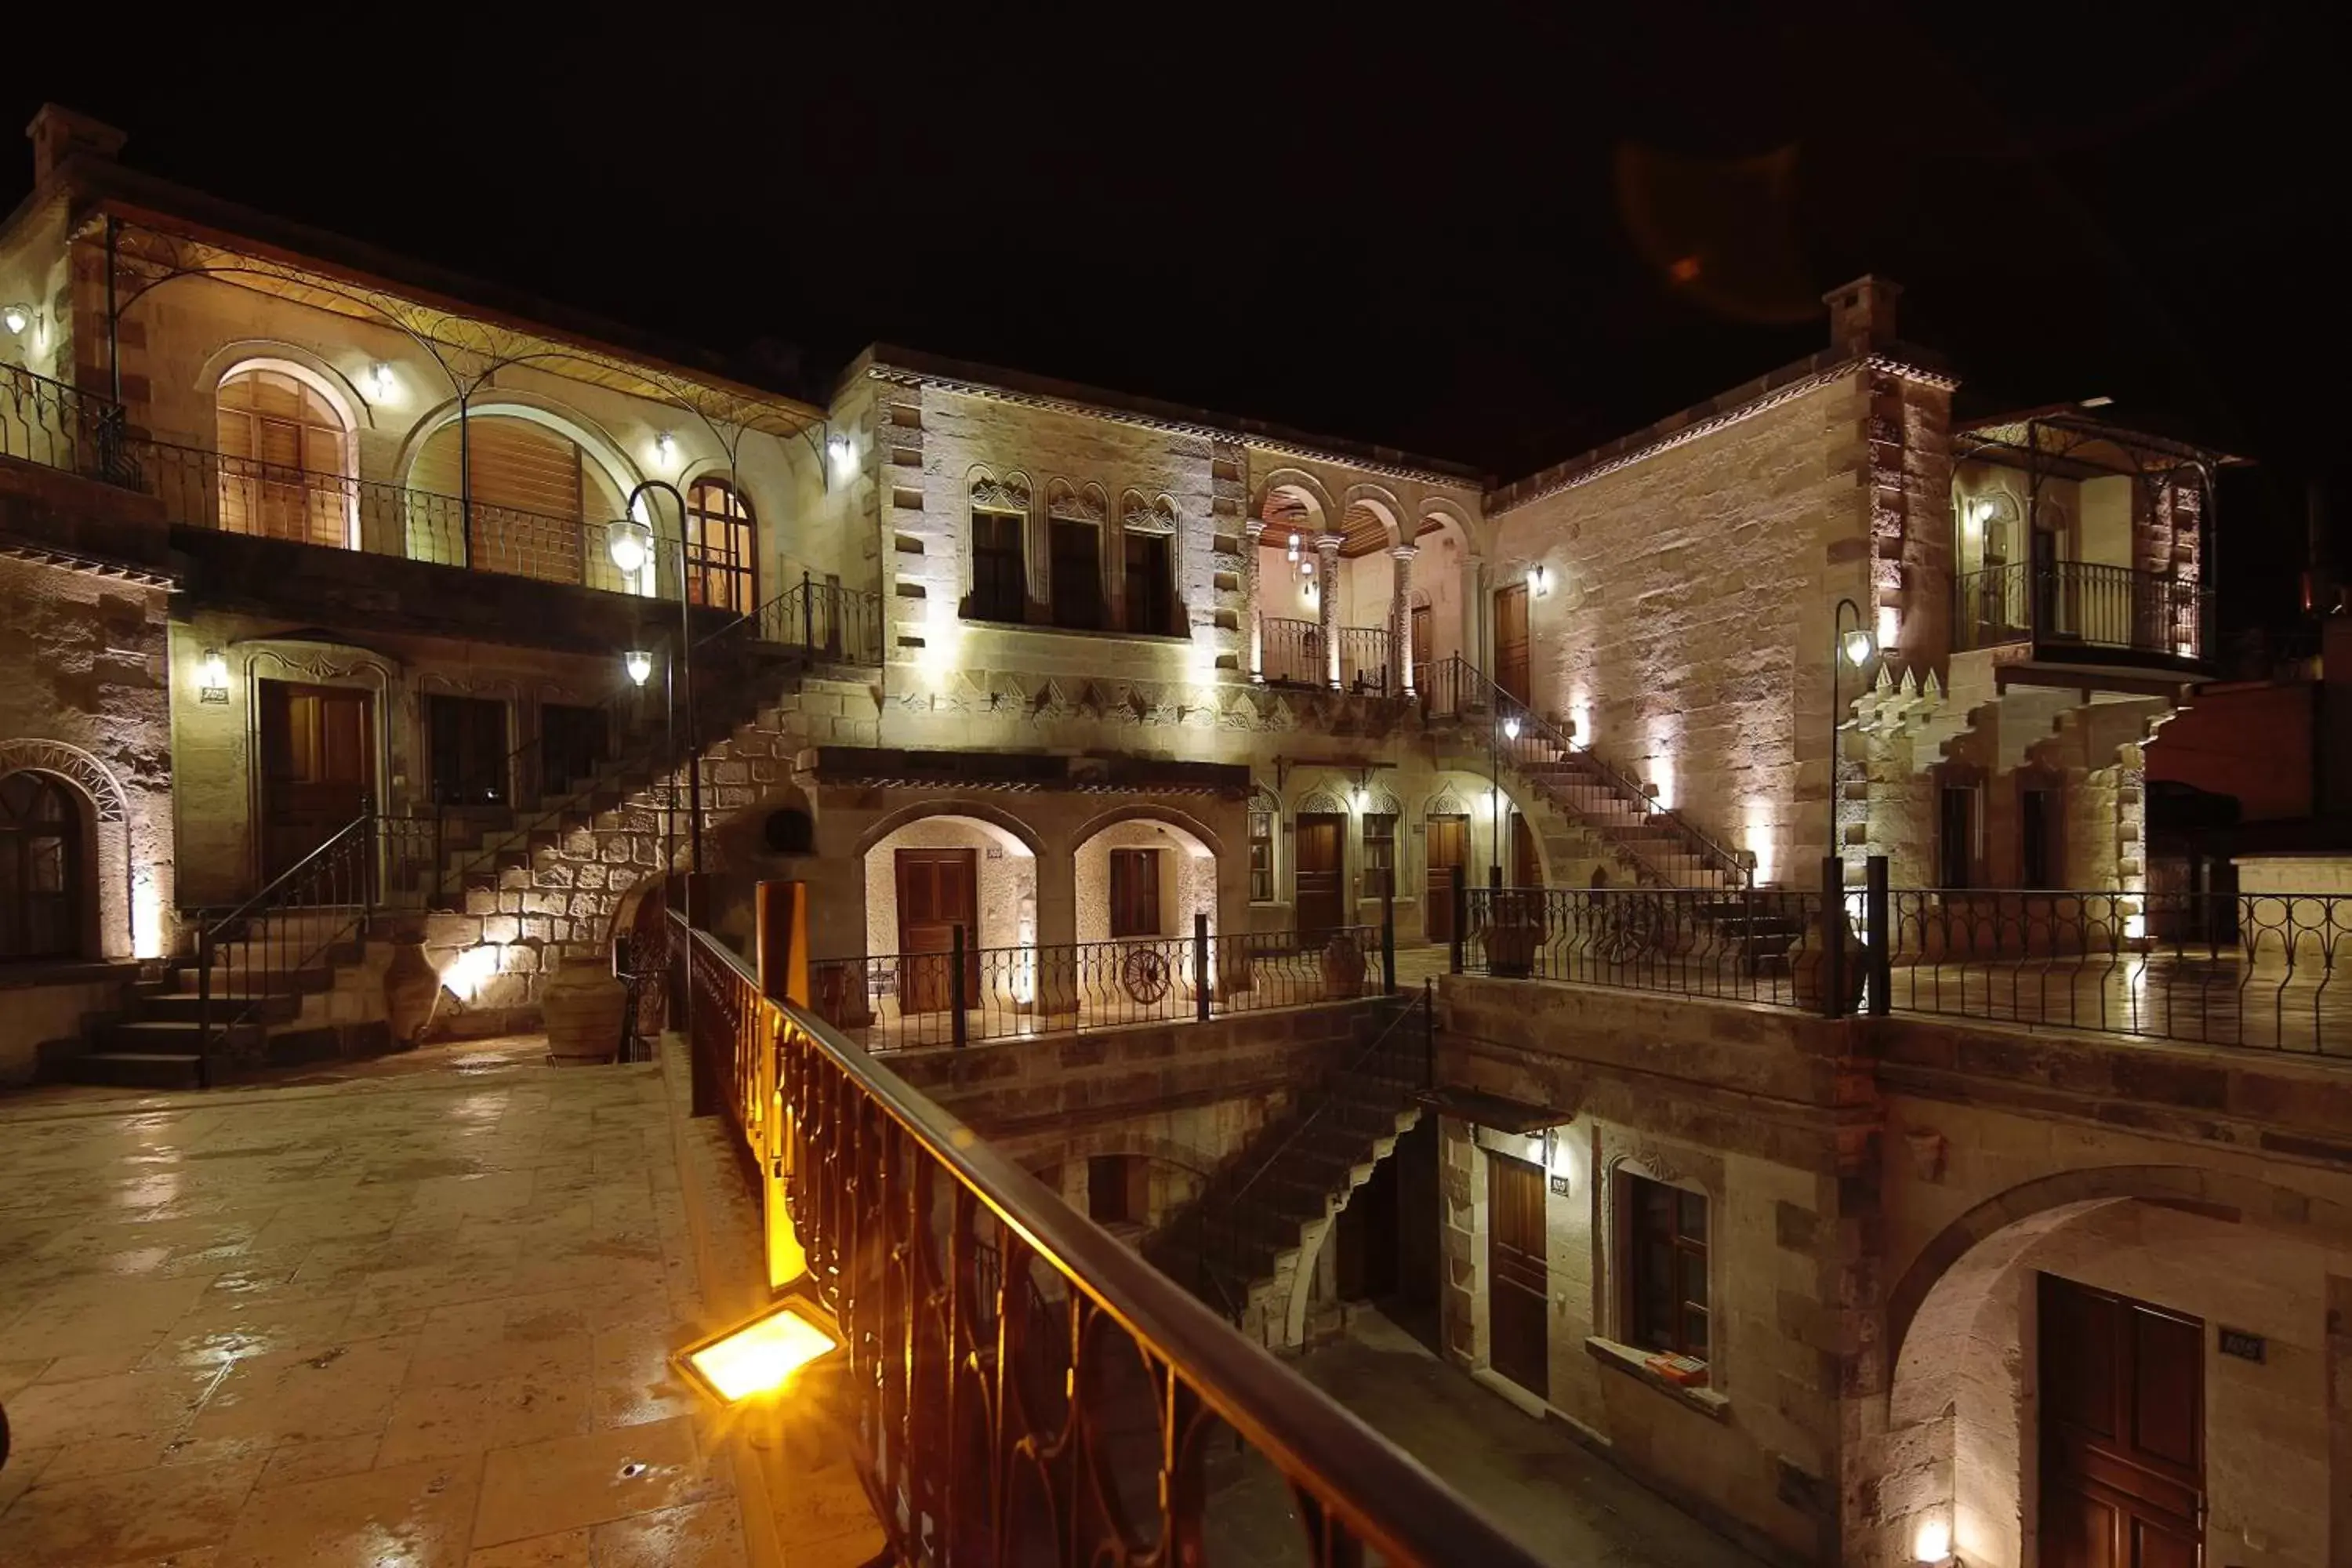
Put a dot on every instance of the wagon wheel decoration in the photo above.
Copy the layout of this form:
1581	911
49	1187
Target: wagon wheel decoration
1145	975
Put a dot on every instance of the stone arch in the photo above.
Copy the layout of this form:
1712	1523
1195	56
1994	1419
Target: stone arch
1293	1294
1297	485
1383	503
1190	886
947	806
288	359
620	472
1153	811
1957	1330
109	926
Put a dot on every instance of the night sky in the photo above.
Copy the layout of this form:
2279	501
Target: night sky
1495	240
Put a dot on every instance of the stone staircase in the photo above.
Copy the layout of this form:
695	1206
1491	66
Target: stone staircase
548	887
1246	1243
298	985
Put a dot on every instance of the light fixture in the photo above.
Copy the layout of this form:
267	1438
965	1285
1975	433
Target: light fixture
630	545
2099	402
16	318
1294	547
1858	648
1511	727
212	677
1539	580
639	663
761	1356
380	381
666	449
844	455
1932	1543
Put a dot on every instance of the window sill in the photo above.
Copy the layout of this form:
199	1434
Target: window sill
1172	639
1634	1364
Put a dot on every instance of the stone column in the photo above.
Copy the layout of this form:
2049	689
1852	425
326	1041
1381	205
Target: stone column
1253	652
1327	600
1401	620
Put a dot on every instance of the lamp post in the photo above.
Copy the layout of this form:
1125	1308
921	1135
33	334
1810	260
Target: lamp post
1502	726
1855	647
636	547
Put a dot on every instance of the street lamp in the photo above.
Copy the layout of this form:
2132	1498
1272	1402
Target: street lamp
639	663
632	546
1854	647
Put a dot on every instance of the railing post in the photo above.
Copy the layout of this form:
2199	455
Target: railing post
1201	966
1461	919
1832	936
782	910
808	616
1882	934
204	1004
956	988
1387	937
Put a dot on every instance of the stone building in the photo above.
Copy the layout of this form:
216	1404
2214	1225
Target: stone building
314	558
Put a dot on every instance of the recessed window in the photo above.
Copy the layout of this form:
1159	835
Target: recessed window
1957	818
282	459
1665	1268
1151	583
41	868
467	750
719	533
1261	847
1077	574
1119	1189
1380	854
1000	573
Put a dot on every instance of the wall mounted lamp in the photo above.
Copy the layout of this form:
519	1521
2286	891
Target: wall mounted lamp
16	318
1539	580
380	381
666	449
843	455
639	663
212	677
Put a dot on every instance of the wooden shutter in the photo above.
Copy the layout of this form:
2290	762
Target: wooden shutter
527	497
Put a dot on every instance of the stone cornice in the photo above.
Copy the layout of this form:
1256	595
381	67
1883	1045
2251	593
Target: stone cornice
89	565
1705	419
896	370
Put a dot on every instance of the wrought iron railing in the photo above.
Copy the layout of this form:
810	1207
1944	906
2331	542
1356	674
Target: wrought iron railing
1450	687
1290	653
59	427
1021	1387
254	962
1662	846
2224	969
2084	602
907	1001
837	625
1364	658
1741	944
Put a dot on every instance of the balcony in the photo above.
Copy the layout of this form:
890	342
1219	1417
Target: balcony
2080	612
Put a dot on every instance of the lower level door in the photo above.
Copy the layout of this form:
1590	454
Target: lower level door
1519	1277
1449	851
318	753
2123	1431
1322	886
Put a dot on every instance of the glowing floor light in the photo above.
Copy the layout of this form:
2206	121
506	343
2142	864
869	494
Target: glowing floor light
761	1356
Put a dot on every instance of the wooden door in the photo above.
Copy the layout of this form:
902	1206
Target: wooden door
1422	630
2123	1431
1449	851
1518	1278
1322	888
1511	640
1135	893
318	750
939	889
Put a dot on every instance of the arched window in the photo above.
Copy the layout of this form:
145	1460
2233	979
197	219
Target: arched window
41	868
540	502
718	556
285	470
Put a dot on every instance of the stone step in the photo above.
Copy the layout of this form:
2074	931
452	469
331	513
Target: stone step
149	1036
135	1069
187	1006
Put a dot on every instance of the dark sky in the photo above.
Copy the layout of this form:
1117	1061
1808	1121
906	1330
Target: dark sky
1459	236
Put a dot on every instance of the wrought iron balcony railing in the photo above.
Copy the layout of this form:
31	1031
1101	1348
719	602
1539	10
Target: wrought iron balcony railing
1020	1386
909	1000
1290	653
2085	604
1364	658
59	427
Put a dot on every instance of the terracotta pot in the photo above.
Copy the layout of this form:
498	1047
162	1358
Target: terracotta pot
1512	936
1343	967
585	1007
412	994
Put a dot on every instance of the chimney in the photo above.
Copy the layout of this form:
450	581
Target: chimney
58	133
1862	314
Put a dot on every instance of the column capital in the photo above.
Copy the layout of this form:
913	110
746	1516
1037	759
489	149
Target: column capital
1403	552
1329	544
1255	529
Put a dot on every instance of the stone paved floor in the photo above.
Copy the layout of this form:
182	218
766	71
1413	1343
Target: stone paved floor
1561	1501
414	1314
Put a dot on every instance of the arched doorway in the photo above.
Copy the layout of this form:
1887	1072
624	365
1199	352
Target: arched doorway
1286	611
517	490
2086	1365
284	440
43	870
930	881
